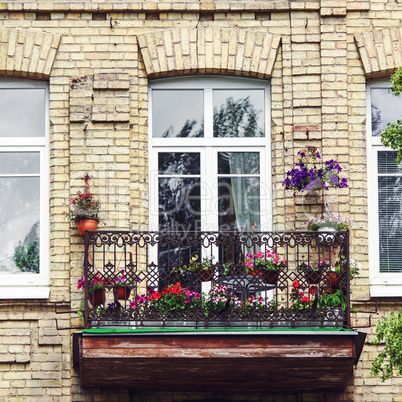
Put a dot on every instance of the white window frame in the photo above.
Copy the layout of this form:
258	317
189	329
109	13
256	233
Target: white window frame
30	285
209	146
381	284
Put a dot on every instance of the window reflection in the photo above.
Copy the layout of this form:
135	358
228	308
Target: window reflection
177	113
238	113
385	108
19	163
179	204
180	163
22	112
19	224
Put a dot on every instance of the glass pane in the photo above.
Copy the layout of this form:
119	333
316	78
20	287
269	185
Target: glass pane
385	108
390	222
239	113
239	203
179	204
22	112
19	225
238	163
177	113
386	163
179	163
19	162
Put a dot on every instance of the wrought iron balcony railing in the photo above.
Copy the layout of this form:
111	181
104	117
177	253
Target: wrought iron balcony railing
205	279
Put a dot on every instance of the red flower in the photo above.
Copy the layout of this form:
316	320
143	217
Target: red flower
155	296
296	283
312	290
305	299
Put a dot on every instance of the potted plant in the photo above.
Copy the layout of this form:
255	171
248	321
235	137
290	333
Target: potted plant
204	268
267	265
122	286
173	302
300	301
340	266
255	306
336	299
329	222
337	274
220	300
96	289
313	272
308	176
84	211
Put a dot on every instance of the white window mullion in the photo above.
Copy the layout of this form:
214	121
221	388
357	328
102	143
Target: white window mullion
212	223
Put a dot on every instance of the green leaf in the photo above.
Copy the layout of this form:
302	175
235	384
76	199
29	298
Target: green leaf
389	359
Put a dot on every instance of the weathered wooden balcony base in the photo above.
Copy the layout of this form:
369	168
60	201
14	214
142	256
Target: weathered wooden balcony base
242	361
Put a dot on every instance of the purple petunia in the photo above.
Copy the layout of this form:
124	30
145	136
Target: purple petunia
307	177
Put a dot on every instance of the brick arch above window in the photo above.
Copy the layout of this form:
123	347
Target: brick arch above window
26	53
209	51
380	51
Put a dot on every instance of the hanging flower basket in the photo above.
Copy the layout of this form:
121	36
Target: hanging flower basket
270	277
332	282
84	211
313	276
206	275
97	296
123	292
307	175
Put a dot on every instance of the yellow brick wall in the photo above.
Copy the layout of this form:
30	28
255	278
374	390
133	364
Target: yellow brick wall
98	57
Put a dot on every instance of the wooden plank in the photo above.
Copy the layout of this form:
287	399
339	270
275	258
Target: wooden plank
215	341
200	353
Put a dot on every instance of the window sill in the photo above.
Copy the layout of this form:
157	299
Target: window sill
386	290
25	292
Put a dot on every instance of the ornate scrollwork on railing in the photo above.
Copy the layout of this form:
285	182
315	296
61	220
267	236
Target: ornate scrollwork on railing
221	279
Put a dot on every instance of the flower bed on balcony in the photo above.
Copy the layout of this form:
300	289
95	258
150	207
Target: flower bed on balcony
164	288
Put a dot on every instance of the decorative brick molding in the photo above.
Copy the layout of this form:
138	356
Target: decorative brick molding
209	50
101	98
81	99
26	53
380	50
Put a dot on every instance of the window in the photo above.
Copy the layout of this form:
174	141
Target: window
385	194
210	155
24	189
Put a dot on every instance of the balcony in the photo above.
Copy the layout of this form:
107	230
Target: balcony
208	302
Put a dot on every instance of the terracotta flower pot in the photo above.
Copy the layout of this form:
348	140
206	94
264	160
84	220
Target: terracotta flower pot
123	292
97	297
86	224
332	281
